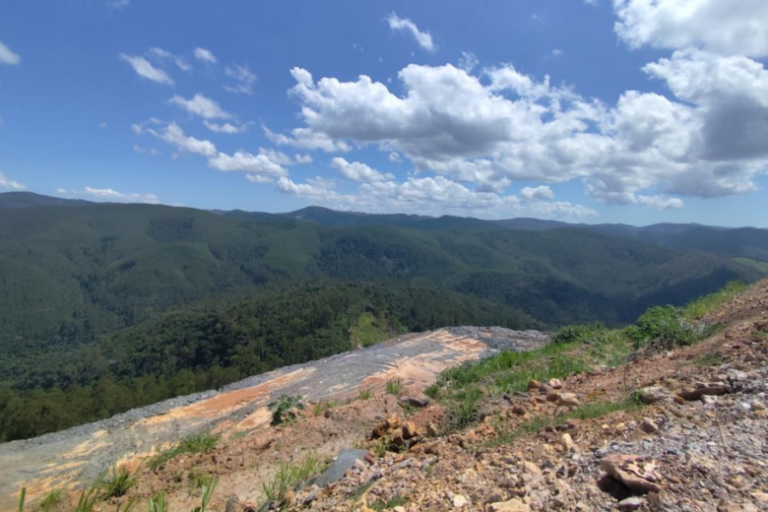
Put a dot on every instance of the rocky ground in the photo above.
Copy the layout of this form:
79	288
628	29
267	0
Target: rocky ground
680	430
73	458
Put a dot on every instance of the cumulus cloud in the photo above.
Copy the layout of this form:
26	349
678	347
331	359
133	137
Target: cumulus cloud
8	184
174	135
504	125
735	27
145	69
358	171
468	61
430	195
540	193
405	24
113	196
243	79
7	56
205	56
201	106
243	161
227	128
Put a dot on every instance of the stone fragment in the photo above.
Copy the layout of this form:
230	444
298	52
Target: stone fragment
556	383
633	471
459	501
648	426
513	505
419	401
567	442
653	394
757	405
432	430
568	400
633	503
711	389
409	431
531	468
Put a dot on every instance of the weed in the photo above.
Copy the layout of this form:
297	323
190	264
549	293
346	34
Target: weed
669	327
207	488
320	407
704	305
118	482
22	497
381	446
156	504
433	391
90	496
51	499
464	411
291	475
284	409
196	443
365	394
198	479
711	359
394	387
397	501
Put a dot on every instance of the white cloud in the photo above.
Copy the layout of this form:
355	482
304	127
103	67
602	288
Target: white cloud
112	195
513	127
226	127
201	106
259	164
145	151
182	64
540	193
257	178
7	56
468	61
160	53
432	195
145	69
174	135
358	171
243	77
205	56
732	27
557	52
10	184
303	138
423	38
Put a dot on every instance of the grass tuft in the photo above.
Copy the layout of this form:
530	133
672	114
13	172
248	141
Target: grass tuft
52	499
394	387
196	443
118	482
290	475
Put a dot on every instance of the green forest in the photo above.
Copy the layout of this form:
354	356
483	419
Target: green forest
107	307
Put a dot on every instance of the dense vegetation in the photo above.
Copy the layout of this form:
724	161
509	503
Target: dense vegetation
109	307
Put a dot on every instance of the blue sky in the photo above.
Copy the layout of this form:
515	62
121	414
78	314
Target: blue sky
592	111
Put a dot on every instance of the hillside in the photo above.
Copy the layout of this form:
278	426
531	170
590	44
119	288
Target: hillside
652	417
108	306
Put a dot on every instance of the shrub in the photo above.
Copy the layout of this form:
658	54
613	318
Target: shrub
669	326
284	409
578	333
118	483
394	387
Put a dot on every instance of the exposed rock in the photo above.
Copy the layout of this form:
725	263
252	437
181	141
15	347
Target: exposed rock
649	426
459	501
632	503
711	389
513	505
419	401
555	383
633	471
567	442
409	431
653	394
568	400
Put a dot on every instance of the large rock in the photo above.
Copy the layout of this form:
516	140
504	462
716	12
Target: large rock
633	471
653	395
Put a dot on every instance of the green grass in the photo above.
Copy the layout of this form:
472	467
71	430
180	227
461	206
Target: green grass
584	412
698	308
464	408
397	501
365	394
52	499
290	475
118	482
320	407
284	409
22	497
711	359
394	387
196	443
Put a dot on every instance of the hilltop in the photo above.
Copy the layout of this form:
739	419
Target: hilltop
664	415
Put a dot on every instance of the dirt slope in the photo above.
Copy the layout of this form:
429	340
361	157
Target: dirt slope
74	457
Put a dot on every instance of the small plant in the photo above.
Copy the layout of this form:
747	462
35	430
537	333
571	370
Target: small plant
198	479
22	497
320	407
397	501
90	496
156	504
284	409
464	411
51	499
365	394
433	391
118	482
207	488
291	475
668	326
394	387
196	443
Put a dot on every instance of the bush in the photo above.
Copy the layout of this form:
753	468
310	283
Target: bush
394	387
284	409
578	333
668	326
118	483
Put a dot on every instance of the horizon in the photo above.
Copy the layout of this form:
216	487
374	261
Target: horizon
352	212
593	111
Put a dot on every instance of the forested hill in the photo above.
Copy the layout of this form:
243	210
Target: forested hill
108	306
